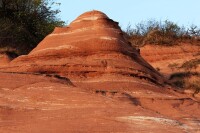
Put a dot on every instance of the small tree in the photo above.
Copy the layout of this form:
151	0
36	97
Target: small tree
24	23
194	30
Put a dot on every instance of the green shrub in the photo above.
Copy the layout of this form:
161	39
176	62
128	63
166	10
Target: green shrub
24	23
161	33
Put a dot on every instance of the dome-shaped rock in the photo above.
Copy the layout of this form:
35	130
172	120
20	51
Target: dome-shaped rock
91	46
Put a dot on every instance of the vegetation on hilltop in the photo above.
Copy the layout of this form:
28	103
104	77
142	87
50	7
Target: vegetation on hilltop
165	33
24	23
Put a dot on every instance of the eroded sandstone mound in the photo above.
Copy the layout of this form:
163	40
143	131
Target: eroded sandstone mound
86	78
91	46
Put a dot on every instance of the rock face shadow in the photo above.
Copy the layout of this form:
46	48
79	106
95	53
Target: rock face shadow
133	100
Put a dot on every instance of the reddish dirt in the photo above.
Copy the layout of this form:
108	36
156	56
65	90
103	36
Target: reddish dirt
86	78
45	104
161	56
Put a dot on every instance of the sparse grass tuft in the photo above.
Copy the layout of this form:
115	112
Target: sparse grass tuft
173	66
193	83
8	50
186	80
192	64
11	52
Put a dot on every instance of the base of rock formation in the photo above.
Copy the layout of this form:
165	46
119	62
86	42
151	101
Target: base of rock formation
50	103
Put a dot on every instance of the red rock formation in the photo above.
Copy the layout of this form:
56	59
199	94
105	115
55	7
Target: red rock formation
91	46
86	78
162	56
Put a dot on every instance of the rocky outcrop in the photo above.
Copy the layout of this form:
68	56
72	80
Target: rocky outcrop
91	46
87	78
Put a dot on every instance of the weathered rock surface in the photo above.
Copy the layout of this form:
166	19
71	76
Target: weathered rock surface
91	46
86	78
47	104
162	56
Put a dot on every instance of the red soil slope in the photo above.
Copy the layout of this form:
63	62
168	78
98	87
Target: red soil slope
161	56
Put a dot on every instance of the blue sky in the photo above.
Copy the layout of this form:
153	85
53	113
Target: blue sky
182	12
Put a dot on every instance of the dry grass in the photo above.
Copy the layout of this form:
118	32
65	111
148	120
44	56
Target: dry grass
193	83
8	50
164	33
189	78
191	64
186	81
